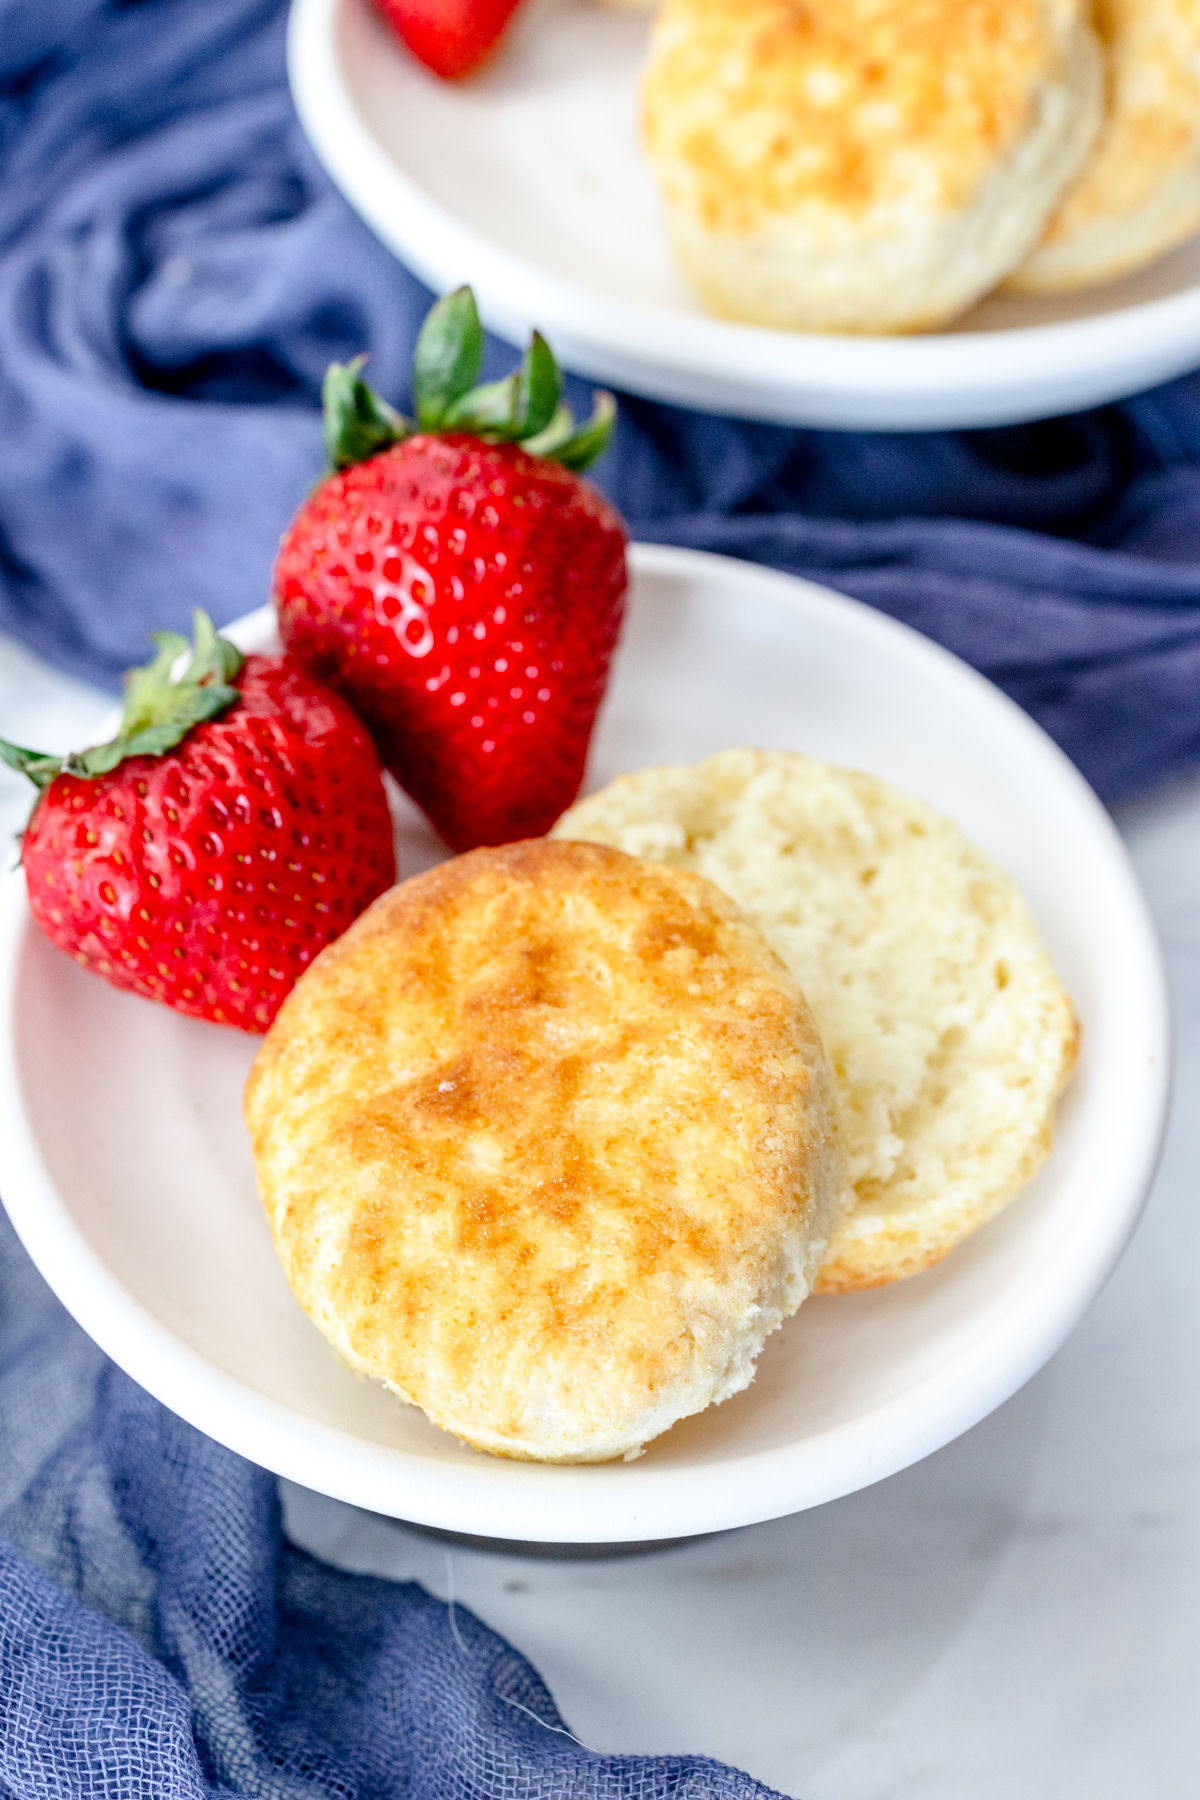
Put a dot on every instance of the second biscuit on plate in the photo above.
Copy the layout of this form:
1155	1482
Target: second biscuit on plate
1138	193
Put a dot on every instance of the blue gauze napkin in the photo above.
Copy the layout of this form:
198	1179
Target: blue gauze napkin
175	274
161	1640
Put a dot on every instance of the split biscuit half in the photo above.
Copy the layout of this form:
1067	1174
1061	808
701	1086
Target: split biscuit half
949	1033
547	1143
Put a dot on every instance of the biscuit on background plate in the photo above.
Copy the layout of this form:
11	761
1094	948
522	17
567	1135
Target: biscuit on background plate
948	1031
1138	193
547	1143
863	165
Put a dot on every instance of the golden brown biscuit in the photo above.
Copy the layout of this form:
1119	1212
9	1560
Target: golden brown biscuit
948	1031
546	1142
863	165
1138	193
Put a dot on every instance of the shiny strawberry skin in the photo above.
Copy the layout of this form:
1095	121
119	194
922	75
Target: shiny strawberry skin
466	598
210	877
451	37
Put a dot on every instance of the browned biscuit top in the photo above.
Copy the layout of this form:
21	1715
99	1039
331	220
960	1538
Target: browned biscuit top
755	108
534	1132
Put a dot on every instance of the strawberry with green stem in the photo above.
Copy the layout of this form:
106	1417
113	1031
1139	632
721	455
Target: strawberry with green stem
458	581
235	825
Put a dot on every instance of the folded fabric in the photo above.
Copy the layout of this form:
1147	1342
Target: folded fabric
160	1640
175	273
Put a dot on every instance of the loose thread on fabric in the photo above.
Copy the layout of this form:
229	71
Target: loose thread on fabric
457	1635
546	1725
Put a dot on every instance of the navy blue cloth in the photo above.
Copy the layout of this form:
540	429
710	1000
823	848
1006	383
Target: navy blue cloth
160	1639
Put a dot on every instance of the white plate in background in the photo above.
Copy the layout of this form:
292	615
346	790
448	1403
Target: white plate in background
125	1165
527	181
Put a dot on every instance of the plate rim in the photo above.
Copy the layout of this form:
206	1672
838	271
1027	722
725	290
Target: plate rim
917	382
534	1503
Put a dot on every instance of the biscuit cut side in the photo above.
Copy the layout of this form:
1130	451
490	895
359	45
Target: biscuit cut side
1138	193
863	165
547	1143
949	1033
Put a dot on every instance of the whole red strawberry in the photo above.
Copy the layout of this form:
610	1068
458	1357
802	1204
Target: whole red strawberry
451	37
461	585
233	828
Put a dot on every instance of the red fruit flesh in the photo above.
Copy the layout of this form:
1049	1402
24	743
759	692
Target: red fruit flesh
466	598
210	877
451	37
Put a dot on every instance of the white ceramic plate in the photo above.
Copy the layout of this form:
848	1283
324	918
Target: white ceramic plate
527	181
125	1165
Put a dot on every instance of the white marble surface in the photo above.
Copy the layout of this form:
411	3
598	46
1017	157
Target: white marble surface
1016	1618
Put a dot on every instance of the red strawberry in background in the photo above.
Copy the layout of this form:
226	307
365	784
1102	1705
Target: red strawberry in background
451	37
234	827
461	585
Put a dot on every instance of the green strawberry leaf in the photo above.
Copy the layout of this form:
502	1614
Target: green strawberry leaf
582	448
448	357
487	411
540	385
560	428
357	421
159	710
523	408
147	689
519	407
40	768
